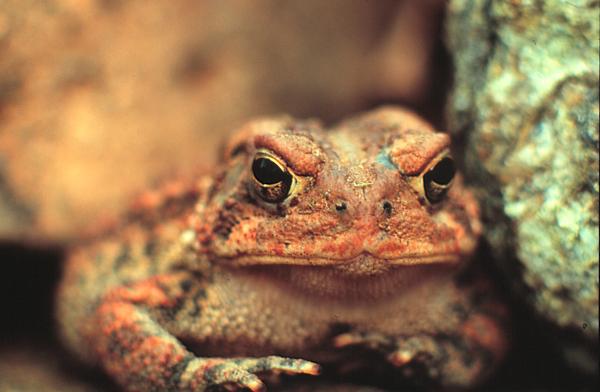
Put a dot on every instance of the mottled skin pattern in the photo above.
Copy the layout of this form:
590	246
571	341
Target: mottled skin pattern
218	282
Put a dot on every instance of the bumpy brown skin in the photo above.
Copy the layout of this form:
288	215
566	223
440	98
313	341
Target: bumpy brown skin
203	285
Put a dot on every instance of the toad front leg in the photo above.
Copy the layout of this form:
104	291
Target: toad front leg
119	304
458	358
141	355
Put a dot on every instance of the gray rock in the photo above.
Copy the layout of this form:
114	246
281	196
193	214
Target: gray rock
526	98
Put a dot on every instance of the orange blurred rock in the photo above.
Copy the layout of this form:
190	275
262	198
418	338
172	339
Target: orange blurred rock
99	98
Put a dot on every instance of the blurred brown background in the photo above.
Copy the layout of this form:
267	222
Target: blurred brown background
99	98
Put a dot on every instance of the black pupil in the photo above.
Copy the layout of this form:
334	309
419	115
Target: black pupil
443	172
267	172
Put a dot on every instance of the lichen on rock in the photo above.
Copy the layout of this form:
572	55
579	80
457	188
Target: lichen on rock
526	95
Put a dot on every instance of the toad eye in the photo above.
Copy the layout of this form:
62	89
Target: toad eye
267	171
273	181
438	179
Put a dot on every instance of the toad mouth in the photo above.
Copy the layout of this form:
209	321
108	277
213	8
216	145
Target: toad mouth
363	258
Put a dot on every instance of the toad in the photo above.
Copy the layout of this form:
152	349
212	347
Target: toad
305	244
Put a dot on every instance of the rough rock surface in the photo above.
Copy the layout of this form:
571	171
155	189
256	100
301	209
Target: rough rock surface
526	98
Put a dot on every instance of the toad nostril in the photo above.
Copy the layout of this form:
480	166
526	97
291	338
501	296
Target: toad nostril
387	208
340	206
